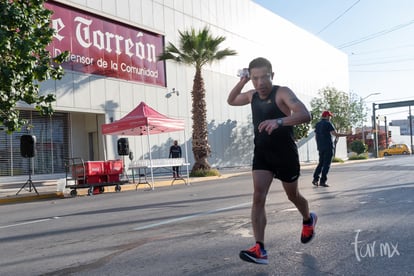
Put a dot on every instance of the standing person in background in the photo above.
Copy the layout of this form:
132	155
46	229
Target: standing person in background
175	152
275	110
324	131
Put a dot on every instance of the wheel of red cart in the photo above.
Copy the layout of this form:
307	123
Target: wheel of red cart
90	191
101	189
117	188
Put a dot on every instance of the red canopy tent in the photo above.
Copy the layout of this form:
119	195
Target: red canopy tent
143	120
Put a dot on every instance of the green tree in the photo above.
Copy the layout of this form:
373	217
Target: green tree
301	131
25	32
348	109
198	48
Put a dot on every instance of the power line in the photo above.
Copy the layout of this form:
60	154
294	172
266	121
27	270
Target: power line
374	51
336	19
382	71
375	35
383	62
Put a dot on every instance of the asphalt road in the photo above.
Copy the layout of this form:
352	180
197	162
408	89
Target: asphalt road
365	227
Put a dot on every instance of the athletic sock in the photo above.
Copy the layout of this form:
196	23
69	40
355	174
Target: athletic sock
261	245
308	221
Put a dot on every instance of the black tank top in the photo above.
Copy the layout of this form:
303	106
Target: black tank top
281	139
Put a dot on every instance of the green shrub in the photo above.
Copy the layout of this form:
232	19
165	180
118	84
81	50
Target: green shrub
358	157
205	173
337	160
358	146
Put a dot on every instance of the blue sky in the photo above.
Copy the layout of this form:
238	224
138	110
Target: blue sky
377	36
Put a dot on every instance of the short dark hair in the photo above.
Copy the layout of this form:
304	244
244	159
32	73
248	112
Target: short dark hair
260	62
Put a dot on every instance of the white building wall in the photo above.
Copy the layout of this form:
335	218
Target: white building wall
300	60
397	138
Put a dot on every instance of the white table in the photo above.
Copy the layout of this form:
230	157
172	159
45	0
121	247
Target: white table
156	163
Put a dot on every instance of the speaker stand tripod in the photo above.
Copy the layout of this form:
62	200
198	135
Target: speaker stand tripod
124	173
29	181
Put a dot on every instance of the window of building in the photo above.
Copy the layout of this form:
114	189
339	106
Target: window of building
52	145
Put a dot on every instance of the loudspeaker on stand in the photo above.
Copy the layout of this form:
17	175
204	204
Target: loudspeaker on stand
28	146
123	146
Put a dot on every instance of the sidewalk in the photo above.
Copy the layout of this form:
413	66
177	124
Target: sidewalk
48	189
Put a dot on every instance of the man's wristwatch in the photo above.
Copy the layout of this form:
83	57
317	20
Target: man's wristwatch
279	122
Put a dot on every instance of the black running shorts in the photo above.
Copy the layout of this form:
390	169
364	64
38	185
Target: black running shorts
286	167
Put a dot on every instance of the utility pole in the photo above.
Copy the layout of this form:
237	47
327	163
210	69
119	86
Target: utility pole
374	129
386	131
411	128
362	127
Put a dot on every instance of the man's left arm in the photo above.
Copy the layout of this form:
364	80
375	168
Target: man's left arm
336	134
294	108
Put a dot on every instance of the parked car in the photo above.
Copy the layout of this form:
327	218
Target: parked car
395	149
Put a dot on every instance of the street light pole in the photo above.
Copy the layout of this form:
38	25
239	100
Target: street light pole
362	128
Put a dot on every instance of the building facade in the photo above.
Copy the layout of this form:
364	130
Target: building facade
405	127
106	32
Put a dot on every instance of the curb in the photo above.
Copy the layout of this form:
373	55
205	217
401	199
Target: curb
27	198
11	199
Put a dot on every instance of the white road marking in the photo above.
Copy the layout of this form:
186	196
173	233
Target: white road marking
27	222
148	226
289	210
245	233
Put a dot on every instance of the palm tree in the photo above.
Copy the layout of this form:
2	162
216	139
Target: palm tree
198	48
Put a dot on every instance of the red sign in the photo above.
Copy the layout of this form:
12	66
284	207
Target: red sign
101	46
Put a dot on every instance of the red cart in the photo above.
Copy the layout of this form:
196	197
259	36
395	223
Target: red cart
94	175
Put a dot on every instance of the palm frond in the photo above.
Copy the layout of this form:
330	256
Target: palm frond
197	48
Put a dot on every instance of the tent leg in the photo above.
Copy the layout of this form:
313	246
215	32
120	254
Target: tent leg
150	156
